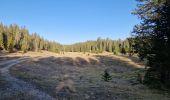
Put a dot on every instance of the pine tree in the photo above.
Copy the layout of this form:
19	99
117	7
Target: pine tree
24	43
99	44
131	46
35	42
110	46
152	38
106	76
10	44
1	41
1	37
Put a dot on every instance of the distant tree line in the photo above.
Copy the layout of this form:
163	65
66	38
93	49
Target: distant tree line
152	39
15	38
99	46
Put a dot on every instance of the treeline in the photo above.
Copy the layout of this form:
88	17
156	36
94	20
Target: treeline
152	39
15	38
100	45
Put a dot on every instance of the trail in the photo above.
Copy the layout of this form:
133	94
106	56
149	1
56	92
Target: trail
20	85
12	61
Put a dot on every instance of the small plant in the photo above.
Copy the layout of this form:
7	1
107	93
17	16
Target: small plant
106	76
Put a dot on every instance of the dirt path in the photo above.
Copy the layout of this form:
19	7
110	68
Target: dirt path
19	85
11	61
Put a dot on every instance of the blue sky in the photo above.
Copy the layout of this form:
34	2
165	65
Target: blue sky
70	21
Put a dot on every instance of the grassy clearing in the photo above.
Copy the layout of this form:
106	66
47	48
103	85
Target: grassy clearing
78	78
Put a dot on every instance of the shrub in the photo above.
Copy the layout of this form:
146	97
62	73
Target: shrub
106	76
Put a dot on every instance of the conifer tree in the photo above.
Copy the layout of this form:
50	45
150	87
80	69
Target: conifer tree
1	41
152	38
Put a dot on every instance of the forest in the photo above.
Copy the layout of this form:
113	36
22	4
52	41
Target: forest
149	41
14	38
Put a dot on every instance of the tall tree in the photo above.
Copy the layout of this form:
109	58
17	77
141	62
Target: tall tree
131	46
24	43
99	44
1	37
16	38
1	42
152	38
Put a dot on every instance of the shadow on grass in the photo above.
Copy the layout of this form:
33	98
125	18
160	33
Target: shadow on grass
109	61
59	76
48	73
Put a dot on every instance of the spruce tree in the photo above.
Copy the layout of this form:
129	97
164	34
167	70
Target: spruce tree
152	38
106	76
1	41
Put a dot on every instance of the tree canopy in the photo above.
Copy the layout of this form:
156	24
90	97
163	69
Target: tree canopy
152	38
15	38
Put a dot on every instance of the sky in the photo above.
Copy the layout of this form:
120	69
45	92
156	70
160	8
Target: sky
71	21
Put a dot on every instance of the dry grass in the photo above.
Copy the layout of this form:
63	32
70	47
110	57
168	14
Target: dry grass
77	76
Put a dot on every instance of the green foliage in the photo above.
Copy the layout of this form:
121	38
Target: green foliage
99	46
14	37
24	40
1	41
151	39
116	50
131	48
10	43
106	76
123	51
